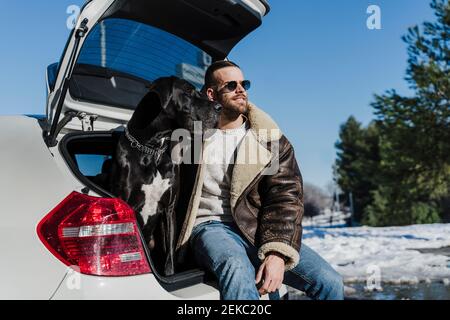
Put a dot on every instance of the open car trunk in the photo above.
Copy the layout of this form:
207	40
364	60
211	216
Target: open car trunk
118	48
89	155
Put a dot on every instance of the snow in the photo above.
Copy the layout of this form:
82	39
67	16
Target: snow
328	219
386	255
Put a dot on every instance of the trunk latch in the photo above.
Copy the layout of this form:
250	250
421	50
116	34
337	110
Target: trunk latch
87	121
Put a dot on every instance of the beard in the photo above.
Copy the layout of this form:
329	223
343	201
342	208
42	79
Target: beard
234	108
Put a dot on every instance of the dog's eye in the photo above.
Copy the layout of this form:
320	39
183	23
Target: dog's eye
188	90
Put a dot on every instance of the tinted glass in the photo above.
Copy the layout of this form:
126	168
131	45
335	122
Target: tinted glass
121	57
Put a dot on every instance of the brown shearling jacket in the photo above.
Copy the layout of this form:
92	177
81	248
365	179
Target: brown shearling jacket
266	192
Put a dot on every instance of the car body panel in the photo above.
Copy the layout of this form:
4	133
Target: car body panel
76	286
30	186
108	117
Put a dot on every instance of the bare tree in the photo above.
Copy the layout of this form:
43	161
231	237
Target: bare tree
315	200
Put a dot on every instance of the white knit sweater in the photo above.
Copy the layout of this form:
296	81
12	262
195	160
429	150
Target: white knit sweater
219	158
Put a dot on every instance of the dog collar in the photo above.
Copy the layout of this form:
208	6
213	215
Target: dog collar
153	150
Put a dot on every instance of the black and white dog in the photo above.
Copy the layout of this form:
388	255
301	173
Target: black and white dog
143	173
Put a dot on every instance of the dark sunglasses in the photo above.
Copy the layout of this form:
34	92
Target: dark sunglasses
231	86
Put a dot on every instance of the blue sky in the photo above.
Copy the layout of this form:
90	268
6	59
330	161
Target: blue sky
313	63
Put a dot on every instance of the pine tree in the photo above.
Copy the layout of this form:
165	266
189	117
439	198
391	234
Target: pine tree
357	163
415	132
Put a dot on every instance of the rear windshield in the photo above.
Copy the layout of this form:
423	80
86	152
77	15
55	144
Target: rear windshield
120	58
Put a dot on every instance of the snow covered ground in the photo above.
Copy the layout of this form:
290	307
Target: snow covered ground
396	255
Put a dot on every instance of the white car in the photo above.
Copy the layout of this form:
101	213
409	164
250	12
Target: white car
62	234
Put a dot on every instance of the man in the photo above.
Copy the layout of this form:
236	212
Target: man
243	224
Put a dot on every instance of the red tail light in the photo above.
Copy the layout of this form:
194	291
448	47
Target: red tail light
98	235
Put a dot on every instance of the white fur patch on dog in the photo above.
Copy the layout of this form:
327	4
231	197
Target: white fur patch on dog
153	193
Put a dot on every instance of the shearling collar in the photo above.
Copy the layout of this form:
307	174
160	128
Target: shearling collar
264	128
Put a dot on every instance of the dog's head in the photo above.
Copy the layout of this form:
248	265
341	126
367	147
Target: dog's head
176	104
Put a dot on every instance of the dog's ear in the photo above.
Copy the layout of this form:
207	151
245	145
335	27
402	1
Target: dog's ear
183	92
158	97
163	87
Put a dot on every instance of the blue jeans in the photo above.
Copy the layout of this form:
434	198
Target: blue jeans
224	251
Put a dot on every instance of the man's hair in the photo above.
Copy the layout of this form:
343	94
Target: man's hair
210	81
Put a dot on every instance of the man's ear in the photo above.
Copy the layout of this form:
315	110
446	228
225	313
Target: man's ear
211	94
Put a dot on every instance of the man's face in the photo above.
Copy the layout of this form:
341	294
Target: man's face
233	102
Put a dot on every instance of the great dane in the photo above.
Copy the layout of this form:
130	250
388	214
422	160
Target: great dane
143	173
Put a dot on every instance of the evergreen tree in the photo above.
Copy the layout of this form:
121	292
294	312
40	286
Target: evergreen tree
357	163
415	132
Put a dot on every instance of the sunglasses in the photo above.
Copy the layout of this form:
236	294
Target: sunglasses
231	86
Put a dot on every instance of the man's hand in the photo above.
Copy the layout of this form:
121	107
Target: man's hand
271	272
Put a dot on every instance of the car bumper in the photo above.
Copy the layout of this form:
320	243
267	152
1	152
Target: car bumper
76	286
